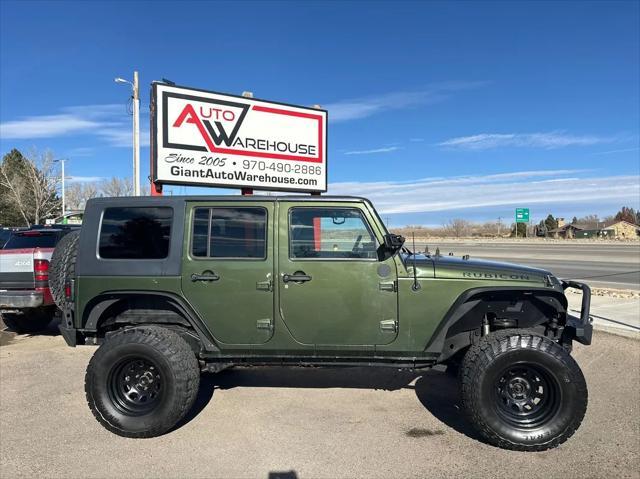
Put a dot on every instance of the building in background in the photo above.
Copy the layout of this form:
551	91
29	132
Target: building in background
608	229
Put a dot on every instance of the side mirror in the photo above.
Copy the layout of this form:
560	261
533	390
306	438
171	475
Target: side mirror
393	243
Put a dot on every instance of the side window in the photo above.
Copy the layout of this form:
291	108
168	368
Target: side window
229	233
331	233
135	233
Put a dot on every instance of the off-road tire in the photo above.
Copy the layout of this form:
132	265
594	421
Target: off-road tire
176	369
28	321
487	398
63	266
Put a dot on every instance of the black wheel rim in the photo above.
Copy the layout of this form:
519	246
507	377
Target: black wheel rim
135	386
527	396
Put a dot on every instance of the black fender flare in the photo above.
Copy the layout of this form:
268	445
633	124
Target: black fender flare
466	302
99	304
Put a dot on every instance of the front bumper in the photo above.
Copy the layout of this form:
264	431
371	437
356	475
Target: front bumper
21	299
580	328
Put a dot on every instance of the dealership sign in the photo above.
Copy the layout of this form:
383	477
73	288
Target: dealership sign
211	139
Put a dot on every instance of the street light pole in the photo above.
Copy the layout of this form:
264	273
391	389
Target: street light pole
136	130
62	178
63	198
136	135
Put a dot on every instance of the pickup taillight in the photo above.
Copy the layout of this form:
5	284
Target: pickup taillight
41	269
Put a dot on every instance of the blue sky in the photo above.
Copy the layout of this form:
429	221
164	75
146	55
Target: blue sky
437	110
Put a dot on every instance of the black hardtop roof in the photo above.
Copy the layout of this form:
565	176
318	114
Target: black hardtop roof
141	200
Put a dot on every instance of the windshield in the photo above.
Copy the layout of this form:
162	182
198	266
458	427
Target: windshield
32	239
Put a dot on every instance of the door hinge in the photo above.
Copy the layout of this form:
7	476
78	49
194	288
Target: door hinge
389	325
264	285
265	324
392	286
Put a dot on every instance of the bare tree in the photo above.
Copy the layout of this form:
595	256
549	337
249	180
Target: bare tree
117	187
34	190
77	195
14	187
457	227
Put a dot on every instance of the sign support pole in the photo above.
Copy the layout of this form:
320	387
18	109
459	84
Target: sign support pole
247	191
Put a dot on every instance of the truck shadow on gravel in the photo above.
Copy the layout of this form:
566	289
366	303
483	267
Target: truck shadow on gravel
7	336
50	330
436	390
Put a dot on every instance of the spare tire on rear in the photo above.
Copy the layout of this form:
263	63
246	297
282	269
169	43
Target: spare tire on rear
63	266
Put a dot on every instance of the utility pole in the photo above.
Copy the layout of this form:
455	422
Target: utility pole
499	225
136	135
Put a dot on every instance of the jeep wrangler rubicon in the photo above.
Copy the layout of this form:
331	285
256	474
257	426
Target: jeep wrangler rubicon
172	286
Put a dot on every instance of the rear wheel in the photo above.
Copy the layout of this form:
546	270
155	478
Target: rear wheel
142	381
28	321
522	391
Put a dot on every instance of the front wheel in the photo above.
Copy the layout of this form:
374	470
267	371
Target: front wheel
522	391
142	381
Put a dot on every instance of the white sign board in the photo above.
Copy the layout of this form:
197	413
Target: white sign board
210	139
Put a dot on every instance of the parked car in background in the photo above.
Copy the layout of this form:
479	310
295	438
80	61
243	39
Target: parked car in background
26	305
5	234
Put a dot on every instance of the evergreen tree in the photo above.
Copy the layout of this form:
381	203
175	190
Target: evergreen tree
626	214
551	223
519	230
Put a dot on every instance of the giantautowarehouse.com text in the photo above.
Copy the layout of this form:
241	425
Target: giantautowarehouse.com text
241	176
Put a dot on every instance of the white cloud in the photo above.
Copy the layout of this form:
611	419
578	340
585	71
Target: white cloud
623	150
111	122
47	126
84	179
387	149
547	140
81	151
123	136
506	189
355	109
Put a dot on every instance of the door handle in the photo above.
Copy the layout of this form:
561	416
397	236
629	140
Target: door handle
206	276
389	325
297	277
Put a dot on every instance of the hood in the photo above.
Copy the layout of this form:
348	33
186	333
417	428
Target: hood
450	267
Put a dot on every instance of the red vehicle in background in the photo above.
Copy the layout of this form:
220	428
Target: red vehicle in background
26	304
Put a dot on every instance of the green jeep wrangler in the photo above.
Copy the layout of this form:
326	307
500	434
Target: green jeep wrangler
172	286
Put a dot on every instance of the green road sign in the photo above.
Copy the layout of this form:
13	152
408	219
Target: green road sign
522	215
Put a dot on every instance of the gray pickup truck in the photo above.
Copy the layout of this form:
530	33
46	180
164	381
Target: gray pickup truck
26	304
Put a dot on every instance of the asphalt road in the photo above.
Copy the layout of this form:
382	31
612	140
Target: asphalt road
600	265
304	423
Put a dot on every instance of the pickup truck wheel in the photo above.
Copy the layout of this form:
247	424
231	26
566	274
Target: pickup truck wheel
63	266
142	381
522	391
27	322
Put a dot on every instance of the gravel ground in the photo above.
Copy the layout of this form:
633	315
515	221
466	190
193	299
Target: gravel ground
303	423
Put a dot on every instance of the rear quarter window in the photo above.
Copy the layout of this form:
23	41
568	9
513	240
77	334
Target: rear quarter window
135	233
